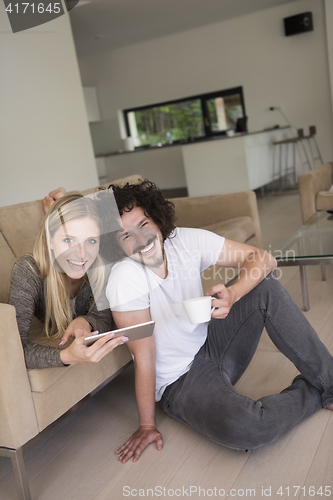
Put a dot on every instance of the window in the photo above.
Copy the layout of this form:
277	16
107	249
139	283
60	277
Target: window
223	112
185	120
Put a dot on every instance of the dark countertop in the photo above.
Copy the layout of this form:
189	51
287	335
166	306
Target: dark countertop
187	143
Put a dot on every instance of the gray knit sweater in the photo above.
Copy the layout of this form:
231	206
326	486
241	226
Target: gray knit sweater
27	295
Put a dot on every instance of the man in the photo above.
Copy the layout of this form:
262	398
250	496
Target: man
191	369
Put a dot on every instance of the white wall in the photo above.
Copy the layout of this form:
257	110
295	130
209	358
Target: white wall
329	34
251	51
44	136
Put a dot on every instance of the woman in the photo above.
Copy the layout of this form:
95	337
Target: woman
52	285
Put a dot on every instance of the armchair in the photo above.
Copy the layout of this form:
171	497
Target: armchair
314	190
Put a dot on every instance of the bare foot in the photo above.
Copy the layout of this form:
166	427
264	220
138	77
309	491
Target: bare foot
57	193
47	203
330	407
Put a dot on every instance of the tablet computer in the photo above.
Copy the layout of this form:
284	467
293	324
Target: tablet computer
135	332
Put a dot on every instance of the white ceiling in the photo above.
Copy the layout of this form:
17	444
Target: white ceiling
102	25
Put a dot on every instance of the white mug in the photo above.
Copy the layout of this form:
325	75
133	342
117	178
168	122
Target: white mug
199	310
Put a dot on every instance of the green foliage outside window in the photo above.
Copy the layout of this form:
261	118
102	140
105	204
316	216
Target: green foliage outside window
177	122
187	119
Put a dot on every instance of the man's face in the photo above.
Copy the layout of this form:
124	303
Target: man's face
141	239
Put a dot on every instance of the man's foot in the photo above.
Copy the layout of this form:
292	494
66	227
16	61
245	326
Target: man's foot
330	407
57	193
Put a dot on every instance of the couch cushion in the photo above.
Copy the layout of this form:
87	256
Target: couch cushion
324	200
239	229
7	259
131	179
20	224
56	390
41	379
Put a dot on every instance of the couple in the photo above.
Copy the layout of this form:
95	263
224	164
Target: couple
190	369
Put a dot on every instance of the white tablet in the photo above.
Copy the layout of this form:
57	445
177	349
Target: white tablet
135	332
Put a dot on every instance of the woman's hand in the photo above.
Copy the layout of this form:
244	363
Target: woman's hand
79	327
77	352
141	438
225	301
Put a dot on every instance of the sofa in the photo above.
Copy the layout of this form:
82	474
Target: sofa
32	400
314	190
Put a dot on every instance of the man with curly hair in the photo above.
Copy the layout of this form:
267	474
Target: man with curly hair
192	369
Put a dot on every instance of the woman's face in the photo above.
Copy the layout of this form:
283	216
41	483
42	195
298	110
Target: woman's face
75	245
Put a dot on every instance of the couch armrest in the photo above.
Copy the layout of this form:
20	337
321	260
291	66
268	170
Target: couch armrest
17	411
200	211
310	183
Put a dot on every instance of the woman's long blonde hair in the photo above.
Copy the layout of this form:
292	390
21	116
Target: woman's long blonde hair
58	309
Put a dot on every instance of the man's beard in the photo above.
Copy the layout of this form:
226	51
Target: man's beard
155	262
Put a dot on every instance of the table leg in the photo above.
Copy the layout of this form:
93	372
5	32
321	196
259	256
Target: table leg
281	170
321	249
304	285
323	272
294	165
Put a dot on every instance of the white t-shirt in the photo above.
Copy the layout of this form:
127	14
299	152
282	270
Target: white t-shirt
133	287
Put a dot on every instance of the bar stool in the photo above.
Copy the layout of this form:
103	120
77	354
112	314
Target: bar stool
305	160
283	150
311	140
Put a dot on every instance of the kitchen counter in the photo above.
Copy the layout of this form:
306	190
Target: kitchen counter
220	164
188	143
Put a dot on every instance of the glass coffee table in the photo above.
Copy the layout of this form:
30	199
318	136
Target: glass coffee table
311	244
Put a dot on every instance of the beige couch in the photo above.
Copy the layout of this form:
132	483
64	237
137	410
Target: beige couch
314	190
31	400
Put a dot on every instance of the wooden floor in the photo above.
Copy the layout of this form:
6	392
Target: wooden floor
77	459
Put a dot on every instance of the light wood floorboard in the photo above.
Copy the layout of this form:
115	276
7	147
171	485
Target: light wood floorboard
77	461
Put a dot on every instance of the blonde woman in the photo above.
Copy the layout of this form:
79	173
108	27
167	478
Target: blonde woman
52	285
